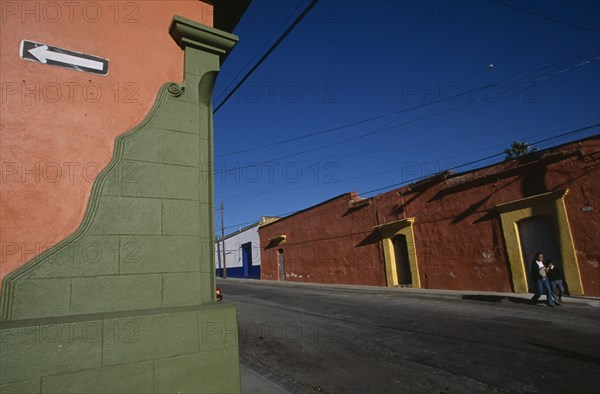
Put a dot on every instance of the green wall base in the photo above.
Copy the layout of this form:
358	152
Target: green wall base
179	350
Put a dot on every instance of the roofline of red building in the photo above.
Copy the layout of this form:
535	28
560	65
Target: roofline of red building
444	175
309	208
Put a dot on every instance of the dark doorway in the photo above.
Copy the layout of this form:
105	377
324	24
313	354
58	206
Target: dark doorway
402	262
247	259
281	265
536	234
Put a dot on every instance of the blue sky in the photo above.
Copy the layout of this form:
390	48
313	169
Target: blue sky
363	95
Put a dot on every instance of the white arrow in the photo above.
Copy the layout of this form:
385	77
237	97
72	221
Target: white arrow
43	55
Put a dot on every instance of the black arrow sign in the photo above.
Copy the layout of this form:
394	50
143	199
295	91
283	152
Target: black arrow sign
42	53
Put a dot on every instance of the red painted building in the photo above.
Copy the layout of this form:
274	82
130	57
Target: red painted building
476	230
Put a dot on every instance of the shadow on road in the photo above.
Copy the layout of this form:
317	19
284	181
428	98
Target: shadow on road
495	298
568	353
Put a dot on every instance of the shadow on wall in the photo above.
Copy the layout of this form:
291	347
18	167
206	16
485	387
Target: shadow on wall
373	238
533	181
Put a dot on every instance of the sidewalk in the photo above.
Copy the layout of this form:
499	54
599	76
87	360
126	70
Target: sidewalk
254	383
462	294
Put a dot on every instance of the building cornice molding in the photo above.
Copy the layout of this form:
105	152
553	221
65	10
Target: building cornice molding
530	201
190	34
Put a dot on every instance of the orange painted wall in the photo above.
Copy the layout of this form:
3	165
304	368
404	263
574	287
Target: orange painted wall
58	126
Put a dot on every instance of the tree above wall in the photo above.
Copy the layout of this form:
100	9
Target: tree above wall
518	149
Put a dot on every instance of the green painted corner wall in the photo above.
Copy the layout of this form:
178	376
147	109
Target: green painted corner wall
126	303
148	225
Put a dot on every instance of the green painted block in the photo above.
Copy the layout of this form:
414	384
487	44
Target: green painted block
123	215
184	149
196	64
24	387
208	285
144	338
145	145
116	293
89	256
132	378
41	297
178	115
182	289
112	184
164	181
125	172
153	254
217	328
207	265
30	350
181	217
211	372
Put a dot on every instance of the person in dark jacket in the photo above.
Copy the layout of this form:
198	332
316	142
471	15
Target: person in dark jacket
540	279
556	283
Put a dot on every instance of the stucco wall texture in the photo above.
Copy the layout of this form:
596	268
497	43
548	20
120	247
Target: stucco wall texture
140	263
328	243
58	126
234	258
458	233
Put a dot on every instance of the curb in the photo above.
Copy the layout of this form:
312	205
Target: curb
253	382
434	293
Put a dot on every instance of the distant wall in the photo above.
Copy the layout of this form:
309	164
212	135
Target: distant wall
330	243
459	238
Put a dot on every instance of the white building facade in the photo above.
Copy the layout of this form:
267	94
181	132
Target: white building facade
242	254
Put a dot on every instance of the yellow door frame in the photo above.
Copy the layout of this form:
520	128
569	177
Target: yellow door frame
388	232
550	204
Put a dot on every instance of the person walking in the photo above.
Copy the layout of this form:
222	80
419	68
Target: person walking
540	279
556	283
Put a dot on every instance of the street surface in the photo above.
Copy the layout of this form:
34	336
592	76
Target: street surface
316	339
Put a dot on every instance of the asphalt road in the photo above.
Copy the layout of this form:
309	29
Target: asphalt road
342	341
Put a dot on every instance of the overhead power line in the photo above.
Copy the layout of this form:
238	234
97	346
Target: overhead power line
379	130
284	23
547	18
487	157
529	34
283	215
382	130
497	59
326	131
370	119
266	55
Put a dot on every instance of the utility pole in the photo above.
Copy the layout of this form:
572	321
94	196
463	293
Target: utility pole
223	239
